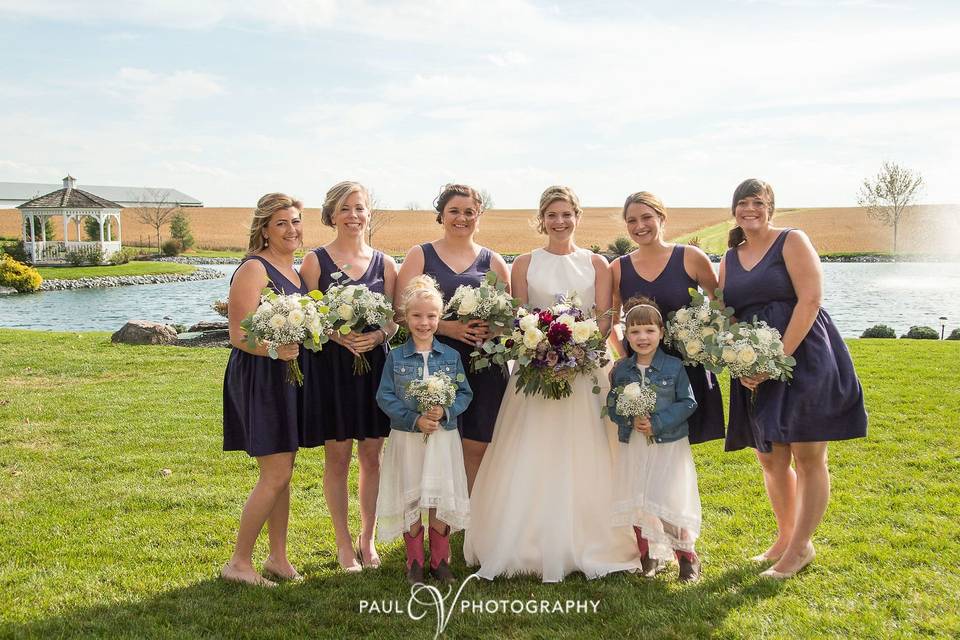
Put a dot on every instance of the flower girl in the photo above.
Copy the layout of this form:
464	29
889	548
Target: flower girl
423	389
655	482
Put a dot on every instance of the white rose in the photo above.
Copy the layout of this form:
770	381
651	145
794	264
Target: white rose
583	330
434	384
747	355
468	302
566	319
729	355
707	331
704	315
632	390
682	315
765	336
532	337
683	334
277	321
528	322
694	347
345	312
295	318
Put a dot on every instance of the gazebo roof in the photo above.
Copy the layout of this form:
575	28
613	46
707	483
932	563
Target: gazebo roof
69	198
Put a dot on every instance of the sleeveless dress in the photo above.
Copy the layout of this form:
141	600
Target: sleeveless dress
542	501
338	405
824	400
476	423
261	410
669	291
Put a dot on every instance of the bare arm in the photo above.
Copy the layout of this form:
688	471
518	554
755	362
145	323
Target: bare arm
698	266
249	281
500	267
518	277
616	331
803	265
310	271
603	290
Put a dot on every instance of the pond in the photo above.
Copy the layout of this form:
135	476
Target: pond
857	296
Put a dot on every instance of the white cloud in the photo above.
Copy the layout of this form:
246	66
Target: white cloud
157	94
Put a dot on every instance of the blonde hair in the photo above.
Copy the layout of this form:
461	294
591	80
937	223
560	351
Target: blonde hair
266	207
642	310
336	196
421	287
648	199
551	195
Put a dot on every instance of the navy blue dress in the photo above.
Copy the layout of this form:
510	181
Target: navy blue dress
670	291
337	404
261	410
477	422
824	400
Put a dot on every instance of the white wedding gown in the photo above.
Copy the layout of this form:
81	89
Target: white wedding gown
541	503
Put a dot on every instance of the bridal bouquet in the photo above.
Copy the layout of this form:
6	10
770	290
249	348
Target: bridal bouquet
435	390
693	330
287	319
634	399
354	307
551	346
489	302
754	348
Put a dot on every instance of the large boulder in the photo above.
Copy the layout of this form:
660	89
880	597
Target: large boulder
207	325
145	332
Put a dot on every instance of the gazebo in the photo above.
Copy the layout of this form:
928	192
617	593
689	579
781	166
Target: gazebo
72	205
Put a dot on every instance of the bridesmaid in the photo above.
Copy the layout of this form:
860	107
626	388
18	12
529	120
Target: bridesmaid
664	272
260	408
774	274
339	406
454	260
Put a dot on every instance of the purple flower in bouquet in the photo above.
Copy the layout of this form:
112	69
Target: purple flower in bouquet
559	334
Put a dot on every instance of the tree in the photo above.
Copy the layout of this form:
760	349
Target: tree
180	230
155	210
379	218
486	200
37	233
91	228
887	196
413	205
621	246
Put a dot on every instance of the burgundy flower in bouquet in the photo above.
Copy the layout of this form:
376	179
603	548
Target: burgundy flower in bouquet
558	334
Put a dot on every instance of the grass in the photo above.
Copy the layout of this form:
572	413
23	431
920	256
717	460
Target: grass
97	543
129	269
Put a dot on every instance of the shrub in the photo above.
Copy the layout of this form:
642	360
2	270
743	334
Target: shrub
879	331
123	256
921	333
172	247
21	277
180	230
74	258
621	246
94	255
954	335
17	251
695	242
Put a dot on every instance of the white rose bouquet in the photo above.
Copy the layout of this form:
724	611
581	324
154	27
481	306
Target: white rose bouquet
551	346
287	319
692	330
435	390
754	348
489	302
634	399
354	307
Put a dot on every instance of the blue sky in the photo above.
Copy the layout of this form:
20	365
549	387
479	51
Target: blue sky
229	100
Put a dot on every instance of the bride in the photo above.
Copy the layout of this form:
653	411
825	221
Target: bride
541	503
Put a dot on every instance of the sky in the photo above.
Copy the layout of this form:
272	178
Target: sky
229	100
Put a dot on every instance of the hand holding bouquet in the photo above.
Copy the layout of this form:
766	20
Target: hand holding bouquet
693	330
287	319
637	399
435	390
489	301
354	307
754	348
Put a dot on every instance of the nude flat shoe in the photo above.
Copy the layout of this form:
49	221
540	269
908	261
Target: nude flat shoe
784	575
763	557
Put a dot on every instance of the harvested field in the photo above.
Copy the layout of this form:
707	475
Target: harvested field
927	229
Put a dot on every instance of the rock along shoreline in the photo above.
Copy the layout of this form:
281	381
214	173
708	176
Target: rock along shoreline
122	281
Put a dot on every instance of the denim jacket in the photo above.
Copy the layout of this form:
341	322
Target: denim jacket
403	366
675	401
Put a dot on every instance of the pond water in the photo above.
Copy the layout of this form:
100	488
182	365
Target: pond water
857	296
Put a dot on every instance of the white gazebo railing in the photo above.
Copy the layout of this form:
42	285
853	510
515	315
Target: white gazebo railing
56	252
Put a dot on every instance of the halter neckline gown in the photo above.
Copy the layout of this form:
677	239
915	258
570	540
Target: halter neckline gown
261	409
670	291
824	400
542	501
338	404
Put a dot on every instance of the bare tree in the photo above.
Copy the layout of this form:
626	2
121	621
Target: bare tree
155	210
413	205
379	218
486	200
887	196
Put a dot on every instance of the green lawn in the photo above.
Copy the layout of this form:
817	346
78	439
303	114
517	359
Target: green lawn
130	269
95	542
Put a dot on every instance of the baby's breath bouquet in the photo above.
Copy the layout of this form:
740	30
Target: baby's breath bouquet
631	400
693	330
754	348
354	307
434	390
489	301
287	319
